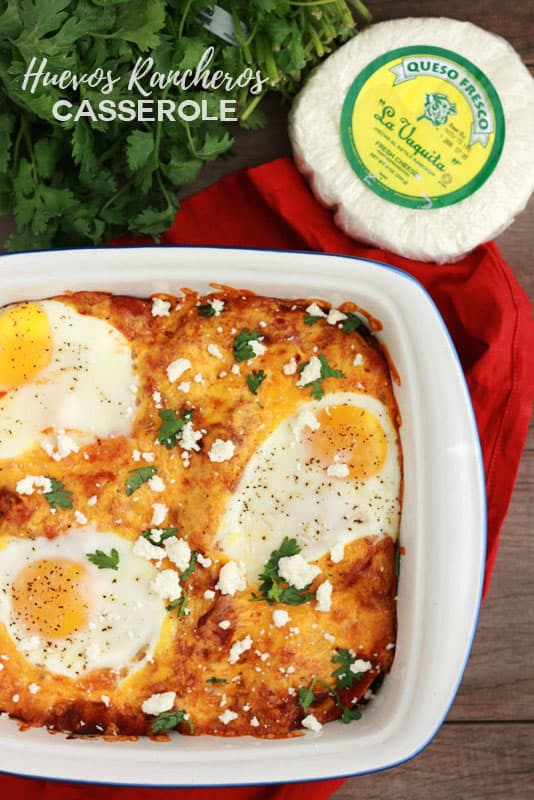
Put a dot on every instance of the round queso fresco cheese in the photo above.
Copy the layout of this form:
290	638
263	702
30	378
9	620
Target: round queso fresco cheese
420	134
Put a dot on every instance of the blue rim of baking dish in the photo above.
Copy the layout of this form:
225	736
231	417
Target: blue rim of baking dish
480	460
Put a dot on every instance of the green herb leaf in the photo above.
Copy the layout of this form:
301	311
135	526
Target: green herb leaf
317	391
103	560
205	310
165	533
136	478
215	144
139	148
255	380
306	696
217	680
38	19
354	324
350	714
273	588
309	319
169	720
180	604
343	674
189	569
242	348
56	497
327	371
171	427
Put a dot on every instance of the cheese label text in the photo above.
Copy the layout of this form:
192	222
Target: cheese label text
423	127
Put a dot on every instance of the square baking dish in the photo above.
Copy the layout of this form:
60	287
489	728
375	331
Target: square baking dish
442	528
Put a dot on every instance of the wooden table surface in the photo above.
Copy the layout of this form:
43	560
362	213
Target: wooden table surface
485	749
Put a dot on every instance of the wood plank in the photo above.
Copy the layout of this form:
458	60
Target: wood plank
499	680
515	22
467	761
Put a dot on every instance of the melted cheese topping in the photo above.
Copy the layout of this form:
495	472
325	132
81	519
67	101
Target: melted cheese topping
215	377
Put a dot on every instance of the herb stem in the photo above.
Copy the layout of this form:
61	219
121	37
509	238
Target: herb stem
18	140
190	141
163	189
184	17
239	32
114	197
252	105
362	10
310	3
316	41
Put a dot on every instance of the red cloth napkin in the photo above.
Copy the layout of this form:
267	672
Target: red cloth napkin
31	789
488	316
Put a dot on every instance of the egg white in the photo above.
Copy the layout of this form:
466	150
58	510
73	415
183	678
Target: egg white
87	389
125	615
282	492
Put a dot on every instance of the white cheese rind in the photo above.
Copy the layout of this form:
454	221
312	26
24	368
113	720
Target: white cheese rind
438	234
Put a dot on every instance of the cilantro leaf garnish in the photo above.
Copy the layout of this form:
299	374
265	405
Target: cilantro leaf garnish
326	372
164	533
169	720
103	560
205	310
172	426
350	714
136	478
242	348
273	588
180	604
317	391
306	694
343	674
255	380
354	324
56	497
309	319
217	680
189	569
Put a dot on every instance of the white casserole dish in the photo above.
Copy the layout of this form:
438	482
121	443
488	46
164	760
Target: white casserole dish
442	529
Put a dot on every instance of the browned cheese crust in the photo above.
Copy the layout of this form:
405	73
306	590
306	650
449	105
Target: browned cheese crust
193	649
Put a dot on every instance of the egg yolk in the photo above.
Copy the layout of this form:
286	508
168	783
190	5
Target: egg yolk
25	344
349	435
50	598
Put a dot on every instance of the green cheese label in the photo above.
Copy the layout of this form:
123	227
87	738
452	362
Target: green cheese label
422	127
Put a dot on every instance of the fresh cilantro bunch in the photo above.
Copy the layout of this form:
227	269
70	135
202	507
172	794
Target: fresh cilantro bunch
72	184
